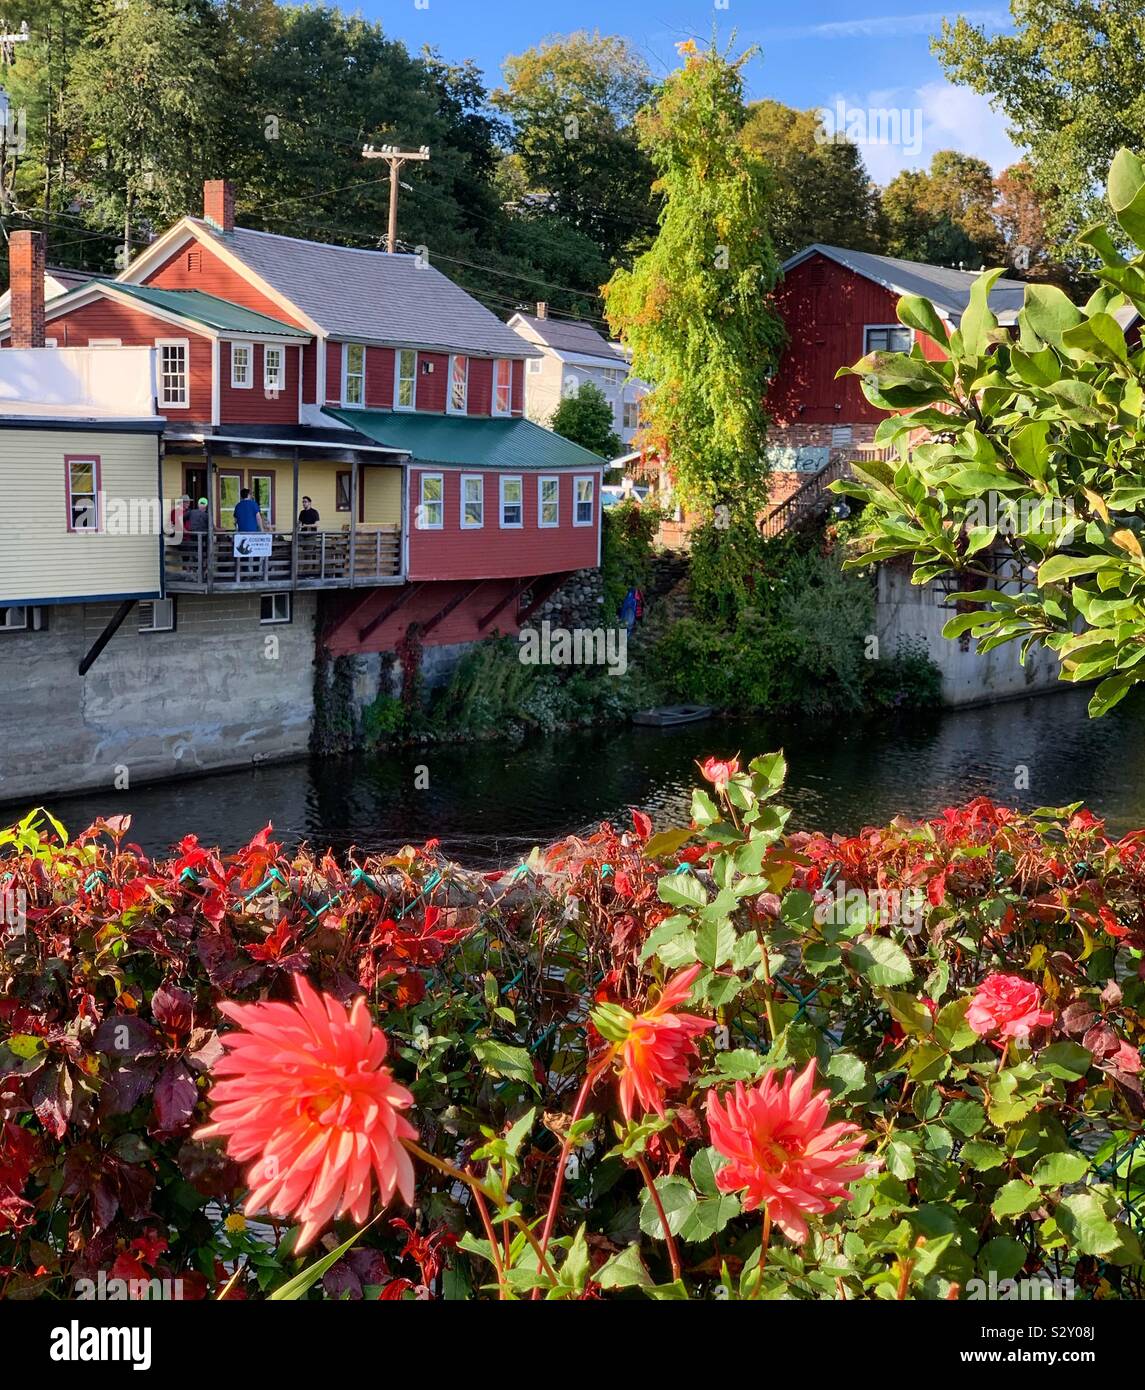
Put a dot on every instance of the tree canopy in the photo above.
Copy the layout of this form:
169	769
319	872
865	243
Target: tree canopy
586	418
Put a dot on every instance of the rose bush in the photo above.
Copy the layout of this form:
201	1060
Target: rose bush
719	1061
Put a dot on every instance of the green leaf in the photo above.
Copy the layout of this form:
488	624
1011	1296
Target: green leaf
981	1156
1049	312
900	1160
682	890
1066	1060
666	843
1060	1169
978	321
512	1063
294	1288
921	315
677	1198
1081	1217
880	960
1015	1198
910	1011
624	1271
1126	188
715	943
1003	1256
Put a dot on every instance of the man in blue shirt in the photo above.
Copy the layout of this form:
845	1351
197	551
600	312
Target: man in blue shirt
248	514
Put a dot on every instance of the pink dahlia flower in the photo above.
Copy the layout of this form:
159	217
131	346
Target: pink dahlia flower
781	1152
305	1094
656	1054
1009	1006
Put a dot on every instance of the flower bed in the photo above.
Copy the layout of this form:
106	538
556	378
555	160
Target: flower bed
724	1061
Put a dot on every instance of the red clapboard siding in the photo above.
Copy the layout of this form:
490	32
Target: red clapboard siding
479	400
380	378
826	307
432	386
518	405
310	374
333	373
252	405
104	318
493	553
197	267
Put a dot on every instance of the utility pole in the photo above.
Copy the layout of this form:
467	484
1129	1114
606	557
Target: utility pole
395	158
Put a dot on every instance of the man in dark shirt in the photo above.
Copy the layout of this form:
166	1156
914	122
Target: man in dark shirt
248	514
197	517
308	517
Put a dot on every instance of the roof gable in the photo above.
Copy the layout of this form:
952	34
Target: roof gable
568	335
947	289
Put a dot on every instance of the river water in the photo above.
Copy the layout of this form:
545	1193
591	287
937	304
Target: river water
490	802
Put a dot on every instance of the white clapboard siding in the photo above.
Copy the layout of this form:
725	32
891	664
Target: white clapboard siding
39	558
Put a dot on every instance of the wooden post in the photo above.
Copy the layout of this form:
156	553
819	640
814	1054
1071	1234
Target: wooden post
295	534
354	485
210	516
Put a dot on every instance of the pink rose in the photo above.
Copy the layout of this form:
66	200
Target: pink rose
719	772
1009	1006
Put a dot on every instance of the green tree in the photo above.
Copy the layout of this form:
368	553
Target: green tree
944	216
821	190
586	419
694	307
1030	487
1069	81
572	101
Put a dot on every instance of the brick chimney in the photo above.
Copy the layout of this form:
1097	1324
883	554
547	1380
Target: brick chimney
26	268
542	309
219	204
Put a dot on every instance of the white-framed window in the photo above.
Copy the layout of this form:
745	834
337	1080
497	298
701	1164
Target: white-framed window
458	385
536	366
83	492
472	501
173	357
502	386
512	503
405	379
886	337
584	491
353	374
431	505
631	415
273	370
275	608
548	502
97	342
242	366
157	615
613	376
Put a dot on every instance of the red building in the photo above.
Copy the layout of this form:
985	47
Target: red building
368	383
838	305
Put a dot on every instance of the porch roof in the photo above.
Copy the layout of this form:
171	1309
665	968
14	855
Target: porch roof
509	445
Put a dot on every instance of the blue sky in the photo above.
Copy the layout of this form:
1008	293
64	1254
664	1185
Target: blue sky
876	56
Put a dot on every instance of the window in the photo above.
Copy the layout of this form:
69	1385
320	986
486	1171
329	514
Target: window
431	512
548	501
230	485
613	376
353	374
262	490
344	487
583	490
157	615
886	337
458	384
631	415
273	370
242	365
502	386
472	502
173	372
512	502
274	608
83	492
405	379
536	366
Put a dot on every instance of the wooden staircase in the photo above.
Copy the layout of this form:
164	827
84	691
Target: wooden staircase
813	498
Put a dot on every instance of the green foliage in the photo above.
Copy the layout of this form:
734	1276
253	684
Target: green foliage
693	307
586	418
944	216
627	533
1032	469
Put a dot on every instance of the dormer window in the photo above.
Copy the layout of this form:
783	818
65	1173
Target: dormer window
502	386
405	379
354	375
458	385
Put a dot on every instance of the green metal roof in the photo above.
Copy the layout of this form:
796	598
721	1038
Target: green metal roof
469	441
209	310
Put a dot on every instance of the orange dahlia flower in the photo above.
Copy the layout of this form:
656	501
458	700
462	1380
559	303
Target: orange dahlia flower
304	1092
657	1047
781	1152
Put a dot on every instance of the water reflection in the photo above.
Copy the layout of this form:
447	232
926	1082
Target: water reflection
490	801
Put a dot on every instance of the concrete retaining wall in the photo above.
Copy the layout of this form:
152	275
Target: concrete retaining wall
223	690
919	612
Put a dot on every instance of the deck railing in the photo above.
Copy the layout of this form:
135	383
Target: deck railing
303	560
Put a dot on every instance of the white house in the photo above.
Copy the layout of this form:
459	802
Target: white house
574	352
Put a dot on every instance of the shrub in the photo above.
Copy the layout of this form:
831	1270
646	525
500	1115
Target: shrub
966	991
628	531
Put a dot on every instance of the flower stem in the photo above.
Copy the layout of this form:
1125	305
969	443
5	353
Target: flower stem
764	1243
494	1249
768	990
673	1253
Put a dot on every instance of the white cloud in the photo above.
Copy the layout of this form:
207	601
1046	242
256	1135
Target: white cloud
887	26
952	118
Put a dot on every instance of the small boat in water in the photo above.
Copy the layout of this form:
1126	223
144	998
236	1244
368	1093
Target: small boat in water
668	716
